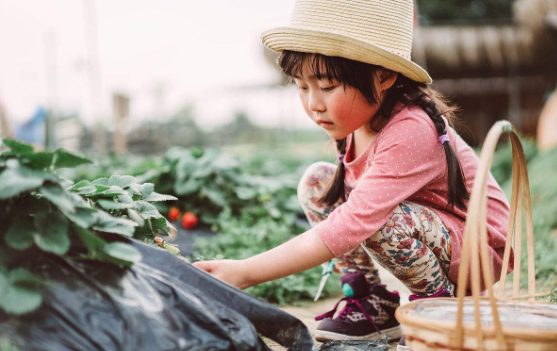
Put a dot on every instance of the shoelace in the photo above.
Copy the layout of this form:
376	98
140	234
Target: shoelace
349	307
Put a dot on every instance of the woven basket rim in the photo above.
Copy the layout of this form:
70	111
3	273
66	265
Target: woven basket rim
416	321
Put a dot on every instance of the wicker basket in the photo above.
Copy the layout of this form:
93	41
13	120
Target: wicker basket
487	322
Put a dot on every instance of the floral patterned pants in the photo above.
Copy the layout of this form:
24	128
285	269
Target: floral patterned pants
414	245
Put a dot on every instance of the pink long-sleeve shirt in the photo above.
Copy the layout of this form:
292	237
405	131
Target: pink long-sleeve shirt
406	162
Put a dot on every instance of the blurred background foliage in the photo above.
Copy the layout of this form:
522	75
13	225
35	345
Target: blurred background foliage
443	11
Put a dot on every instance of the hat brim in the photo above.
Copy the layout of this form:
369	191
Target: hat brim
334	44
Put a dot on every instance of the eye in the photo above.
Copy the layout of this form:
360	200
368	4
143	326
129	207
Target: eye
302	88
328	88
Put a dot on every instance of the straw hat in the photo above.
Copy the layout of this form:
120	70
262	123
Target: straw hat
372	31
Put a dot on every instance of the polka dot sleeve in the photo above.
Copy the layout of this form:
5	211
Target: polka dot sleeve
408	156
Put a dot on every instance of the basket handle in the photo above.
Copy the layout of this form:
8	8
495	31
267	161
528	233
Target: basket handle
475	250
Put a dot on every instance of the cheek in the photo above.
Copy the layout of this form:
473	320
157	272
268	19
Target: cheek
340	108
353	107
345	106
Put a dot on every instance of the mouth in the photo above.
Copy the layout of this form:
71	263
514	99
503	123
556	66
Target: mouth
324	124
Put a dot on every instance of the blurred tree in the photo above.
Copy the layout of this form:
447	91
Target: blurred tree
435	11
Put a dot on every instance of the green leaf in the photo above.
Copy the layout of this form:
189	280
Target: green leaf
245	193
52	232
83	216
185	166
146	210
20	235
101	181
122	181
113	191
66	159
17	179
156	197
226	163
152	174
90	190
15	298
64	182
59	197
39	160
189	187
125	198
203	171
113	205
134	189
146	190
162	224
100	188
273	211
215	195
125	253
79	185
136	217
90	239
18	147
23	276
107	223
205	165
20	300
86	188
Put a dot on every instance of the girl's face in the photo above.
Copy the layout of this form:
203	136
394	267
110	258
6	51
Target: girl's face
338	108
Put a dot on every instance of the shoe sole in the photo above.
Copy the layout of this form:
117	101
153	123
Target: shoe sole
393	333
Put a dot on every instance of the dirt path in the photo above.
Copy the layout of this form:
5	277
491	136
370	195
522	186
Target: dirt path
307	311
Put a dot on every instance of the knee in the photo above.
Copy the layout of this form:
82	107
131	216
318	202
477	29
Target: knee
314	180
399	228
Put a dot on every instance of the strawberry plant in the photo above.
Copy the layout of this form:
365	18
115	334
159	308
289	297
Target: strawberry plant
41	211
208	182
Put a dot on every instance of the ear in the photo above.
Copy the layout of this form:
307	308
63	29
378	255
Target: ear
387	78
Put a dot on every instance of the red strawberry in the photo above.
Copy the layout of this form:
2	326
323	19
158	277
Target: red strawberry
189	220
173	214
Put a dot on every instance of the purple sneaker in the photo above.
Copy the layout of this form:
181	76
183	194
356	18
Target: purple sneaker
443	293
369	312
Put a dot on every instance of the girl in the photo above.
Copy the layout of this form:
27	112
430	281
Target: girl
398	196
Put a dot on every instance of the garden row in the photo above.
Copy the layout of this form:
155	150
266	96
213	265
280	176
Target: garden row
249	201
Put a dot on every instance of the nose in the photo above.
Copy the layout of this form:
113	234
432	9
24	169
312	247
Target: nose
315	103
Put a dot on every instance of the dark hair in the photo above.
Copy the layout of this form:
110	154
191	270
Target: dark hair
357	74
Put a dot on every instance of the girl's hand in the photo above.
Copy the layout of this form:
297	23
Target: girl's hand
233	272
305	251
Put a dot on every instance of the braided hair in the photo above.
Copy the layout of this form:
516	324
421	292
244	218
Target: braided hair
404	90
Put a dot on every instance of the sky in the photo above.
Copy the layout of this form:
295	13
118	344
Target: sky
162	53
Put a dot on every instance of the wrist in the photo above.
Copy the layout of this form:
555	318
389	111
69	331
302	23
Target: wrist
247	280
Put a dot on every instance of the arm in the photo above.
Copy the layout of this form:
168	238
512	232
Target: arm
303	252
